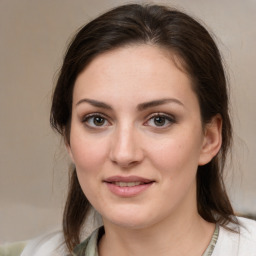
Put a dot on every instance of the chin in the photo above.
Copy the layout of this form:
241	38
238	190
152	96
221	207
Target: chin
130	224
130	219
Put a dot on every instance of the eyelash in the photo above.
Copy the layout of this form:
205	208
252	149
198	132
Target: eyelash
166	118
92	117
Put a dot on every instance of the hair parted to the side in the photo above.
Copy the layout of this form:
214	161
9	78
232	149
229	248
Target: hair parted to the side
190	42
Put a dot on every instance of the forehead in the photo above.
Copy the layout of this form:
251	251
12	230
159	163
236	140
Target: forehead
133	71
137	53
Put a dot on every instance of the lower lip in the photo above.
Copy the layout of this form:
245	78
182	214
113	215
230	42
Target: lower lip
128	191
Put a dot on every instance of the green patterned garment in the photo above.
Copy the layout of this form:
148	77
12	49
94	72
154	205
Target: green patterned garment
210	248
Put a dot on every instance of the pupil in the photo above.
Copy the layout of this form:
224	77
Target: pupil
159	121
98	120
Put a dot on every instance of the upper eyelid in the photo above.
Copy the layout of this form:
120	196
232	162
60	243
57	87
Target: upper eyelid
171	119
110	120
161	114
86	118
95	114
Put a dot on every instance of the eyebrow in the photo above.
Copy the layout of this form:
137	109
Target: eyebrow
95	103
140	107
156	103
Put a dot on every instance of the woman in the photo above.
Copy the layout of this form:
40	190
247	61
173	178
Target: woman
142	104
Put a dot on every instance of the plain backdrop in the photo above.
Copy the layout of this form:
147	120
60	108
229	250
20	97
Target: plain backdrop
33	162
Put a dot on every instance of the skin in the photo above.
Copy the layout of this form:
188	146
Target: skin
114	133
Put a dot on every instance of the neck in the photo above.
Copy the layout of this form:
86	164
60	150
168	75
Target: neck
173	237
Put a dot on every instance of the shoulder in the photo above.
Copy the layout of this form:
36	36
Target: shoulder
248	235
248	228
242	243
51	244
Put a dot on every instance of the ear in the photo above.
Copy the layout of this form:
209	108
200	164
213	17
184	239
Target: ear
212	140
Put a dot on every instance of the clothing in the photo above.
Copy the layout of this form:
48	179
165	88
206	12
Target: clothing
89	246
47	245
228	243
233	244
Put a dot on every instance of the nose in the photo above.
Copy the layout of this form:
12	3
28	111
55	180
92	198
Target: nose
126	150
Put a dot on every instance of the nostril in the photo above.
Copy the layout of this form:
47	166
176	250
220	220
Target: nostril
125	148
125	164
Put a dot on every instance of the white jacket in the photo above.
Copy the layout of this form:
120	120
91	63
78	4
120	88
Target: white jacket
228	243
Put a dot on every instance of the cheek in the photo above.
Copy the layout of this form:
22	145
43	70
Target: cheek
176	156
88	153
89	158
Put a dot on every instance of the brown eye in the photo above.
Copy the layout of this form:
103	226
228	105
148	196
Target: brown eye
159	121
95	120
98	120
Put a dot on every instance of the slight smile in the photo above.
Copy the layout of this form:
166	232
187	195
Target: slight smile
127	186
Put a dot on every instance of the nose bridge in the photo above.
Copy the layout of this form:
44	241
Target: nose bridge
125	148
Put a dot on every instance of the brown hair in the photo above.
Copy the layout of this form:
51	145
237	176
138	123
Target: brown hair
199	55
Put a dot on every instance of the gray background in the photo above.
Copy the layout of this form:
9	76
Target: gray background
33	162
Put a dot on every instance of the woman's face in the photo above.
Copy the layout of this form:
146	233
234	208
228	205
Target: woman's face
136	136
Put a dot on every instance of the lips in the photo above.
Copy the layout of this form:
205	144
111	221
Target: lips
128	186
130	180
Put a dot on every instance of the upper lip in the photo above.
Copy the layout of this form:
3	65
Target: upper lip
127	179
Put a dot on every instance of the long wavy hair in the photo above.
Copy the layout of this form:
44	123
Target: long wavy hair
185	37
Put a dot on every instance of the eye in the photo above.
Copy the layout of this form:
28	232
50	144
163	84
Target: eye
95	120
160	120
